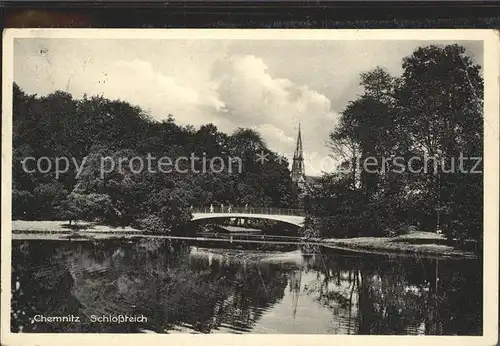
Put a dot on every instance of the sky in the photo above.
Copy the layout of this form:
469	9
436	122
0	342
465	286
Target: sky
268	85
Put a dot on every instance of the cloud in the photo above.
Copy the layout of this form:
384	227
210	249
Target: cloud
273	106
139	83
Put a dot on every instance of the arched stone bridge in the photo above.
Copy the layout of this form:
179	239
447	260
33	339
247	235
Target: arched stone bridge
291	216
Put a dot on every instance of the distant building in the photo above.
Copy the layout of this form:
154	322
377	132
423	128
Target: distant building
311	181
302	181
298	173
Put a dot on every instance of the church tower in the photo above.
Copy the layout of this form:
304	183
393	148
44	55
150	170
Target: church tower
298	170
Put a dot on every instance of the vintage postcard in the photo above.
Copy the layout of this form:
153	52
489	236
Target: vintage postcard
303	187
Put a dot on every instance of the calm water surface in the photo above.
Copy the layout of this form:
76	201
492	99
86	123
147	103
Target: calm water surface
193	288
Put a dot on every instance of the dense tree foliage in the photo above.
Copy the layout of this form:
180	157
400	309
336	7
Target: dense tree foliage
434	110
90	131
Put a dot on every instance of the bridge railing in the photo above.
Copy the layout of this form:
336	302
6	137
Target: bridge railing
250	210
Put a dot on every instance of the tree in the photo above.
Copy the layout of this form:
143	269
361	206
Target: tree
85	207
171	207
47	197
366	133
440	99
434	109
22	202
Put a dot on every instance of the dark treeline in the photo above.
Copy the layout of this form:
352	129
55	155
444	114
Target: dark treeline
57	125
434	109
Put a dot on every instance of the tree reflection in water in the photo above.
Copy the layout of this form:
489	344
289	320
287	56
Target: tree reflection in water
181	287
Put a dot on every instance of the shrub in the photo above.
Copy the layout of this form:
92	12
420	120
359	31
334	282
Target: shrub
153	224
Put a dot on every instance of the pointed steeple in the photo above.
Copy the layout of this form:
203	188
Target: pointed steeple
298	170
298	149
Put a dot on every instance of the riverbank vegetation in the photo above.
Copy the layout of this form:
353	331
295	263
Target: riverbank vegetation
434	110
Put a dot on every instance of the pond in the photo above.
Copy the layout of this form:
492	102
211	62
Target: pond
182	287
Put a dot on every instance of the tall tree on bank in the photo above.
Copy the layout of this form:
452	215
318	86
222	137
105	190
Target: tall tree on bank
440	96
367	133
434	109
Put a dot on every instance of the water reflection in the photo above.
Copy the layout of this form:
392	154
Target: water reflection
182	287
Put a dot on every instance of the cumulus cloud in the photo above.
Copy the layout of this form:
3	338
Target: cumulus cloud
273	106
139	83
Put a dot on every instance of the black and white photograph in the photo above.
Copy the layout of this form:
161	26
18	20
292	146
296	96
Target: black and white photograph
292	182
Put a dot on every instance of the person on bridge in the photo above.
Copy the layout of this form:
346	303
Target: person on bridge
229	208
221	208
246	207
211	208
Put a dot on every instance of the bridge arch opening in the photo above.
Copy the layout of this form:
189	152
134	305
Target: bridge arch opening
247	224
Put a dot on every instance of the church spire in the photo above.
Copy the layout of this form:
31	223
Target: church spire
298	170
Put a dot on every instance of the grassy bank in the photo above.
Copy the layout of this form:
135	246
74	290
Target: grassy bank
415	243
62	230
418	243
65	227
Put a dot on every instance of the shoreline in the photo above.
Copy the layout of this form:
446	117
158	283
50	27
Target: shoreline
385	246
415	244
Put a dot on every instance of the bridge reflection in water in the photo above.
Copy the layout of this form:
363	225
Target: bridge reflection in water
181	287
